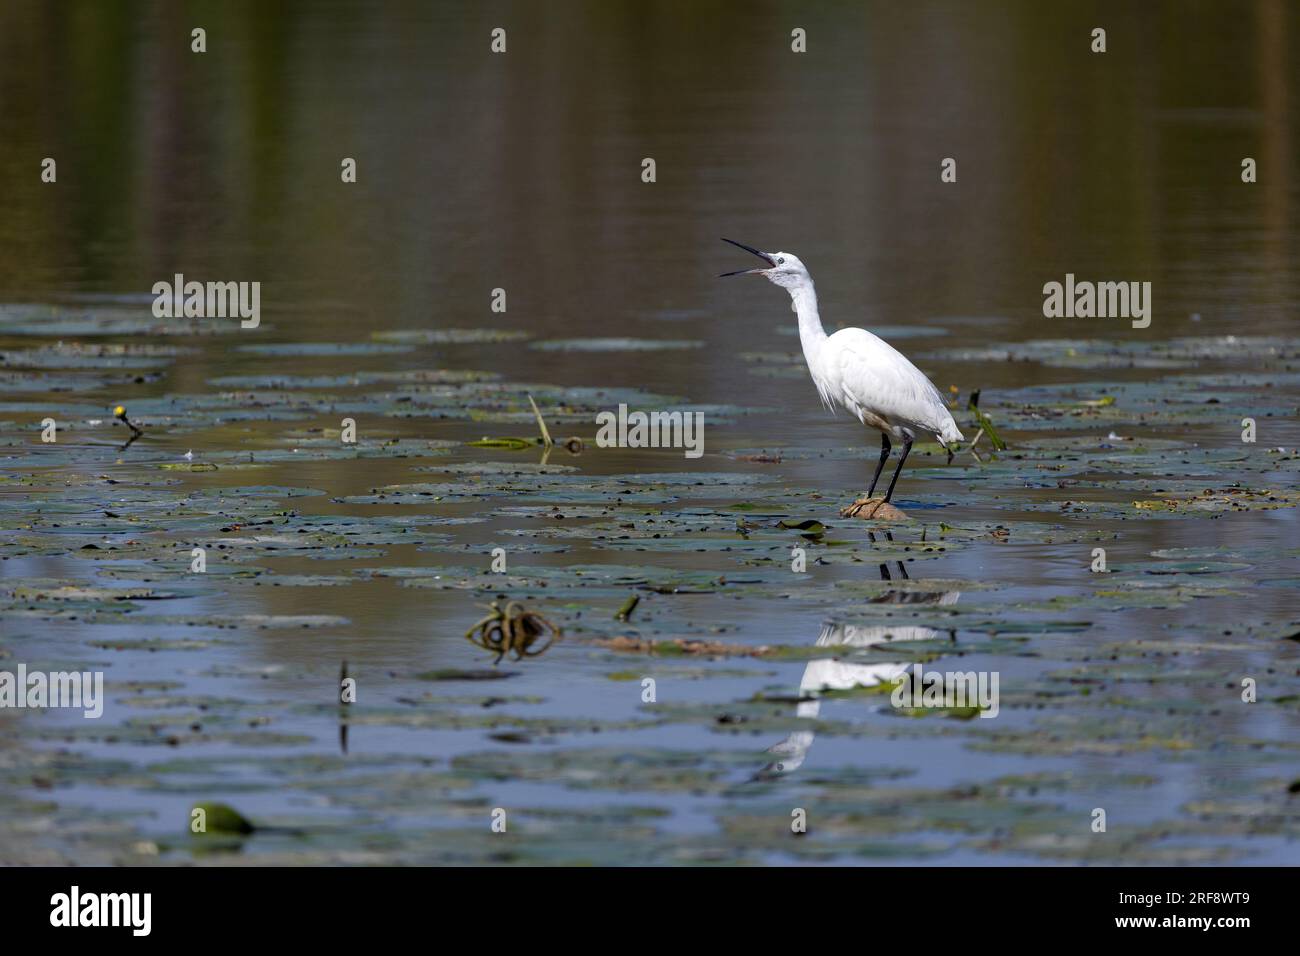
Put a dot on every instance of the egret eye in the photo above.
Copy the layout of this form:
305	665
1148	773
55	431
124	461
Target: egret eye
781	261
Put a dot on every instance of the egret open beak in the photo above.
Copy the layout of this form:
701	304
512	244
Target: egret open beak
749	272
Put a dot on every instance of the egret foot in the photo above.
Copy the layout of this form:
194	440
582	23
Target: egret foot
873	509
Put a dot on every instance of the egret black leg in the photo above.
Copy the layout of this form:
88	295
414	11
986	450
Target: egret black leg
884	456
907	446
901	570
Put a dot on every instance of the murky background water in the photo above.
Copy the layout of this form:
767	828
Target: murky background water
522	171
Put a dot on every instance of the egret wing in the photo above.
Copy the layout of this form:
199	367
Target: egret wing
877	378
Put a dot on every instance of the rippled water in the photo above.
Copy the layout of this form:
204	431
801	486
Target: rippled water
523	172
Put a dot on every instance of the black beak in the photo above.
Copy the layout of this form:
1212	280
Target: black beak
744	272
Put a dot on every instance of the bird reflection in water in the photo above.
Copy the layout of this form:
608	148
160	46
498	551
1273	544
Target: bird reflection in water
831	674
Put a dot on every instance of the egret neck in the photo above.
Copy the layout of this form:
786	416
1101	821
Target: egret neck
811	333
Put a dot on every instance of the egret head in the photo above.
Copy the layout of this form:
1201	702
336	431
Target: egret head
783	268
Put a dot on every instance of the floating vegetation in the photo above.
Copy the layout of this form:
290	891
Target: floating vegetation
448	336
512	629
1226	499
765	618
61	322
615	345
513	444
414	377
809	528
80	355
324	349
624	613
1097	353
985	425
220	819
682	646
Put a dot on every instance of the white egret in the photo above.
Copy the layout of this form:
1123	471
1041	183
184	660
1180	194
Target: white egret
858	371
